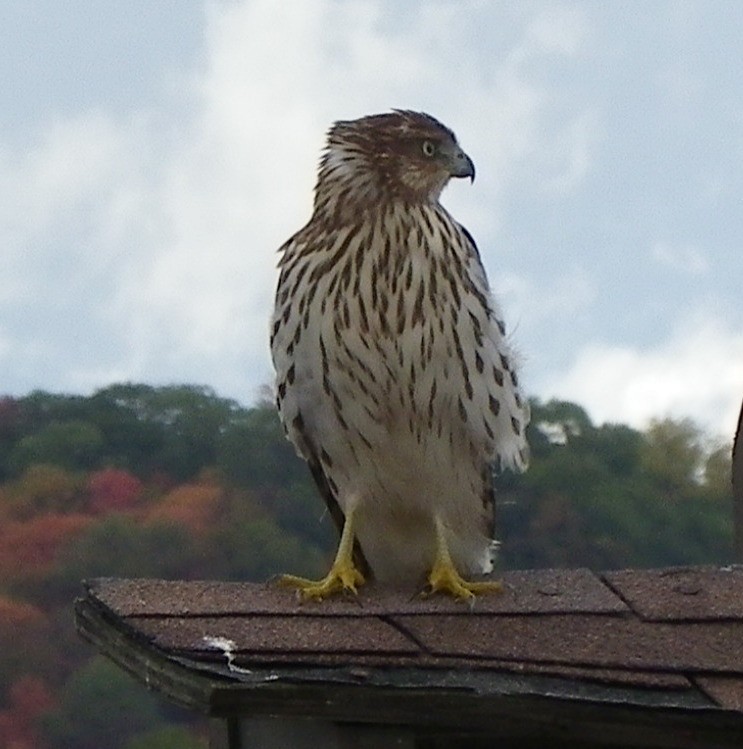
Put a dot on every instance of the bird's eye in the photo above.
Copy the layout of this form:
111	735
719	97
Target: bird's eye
429	149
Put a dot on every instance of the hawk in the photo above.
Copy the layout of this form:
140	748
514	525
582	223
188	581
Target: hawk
395	379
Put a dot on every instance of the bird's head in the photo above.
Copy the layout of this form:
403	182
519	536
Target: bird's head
397	155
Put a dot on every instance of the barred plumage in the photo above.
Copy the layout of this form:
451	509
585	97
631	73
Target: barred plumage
395	380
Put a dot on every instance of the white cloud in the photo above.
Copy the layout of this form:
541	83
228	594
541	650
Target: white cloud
697	372
65	166
150	237
685	259
572	153
558	29
140	244
530	303
54	185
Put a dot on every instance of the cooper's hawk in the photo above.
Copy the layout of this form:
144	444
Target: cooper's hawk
395	380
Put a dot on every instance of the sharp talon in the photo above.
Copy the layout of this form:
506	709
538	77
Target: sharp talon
444	577
342	578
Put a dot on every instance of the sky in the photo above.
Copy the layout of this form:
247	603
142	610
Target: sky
154	155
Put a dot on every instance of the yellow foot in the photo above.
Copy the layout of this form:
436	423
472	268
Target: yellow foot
444	578
342	578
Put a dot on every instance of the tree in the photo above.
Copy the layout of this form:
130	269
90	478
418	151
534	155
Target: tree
132	440
674	456
29	548
118	547
29	699
40	408
571	416
141	428
113	490
70	444
253	452
718	470
193	506
612	496
10	431
258	549
24	643
43	488
188	418
100	706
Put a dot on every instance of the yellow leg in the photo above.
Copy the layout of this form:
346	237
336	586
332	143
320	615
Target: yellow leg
343	575
444	577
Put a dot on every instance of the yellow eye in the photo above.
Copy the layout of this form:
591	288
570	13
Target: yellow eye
429	149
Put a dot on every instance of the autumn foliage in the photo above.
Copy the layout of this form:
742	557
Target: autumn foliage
113	490
177	482
194	506
29	698
29	548
15	615
43	488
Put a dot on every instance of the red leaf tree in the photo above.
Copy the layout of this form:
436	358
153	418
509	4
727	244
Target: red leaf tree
113	490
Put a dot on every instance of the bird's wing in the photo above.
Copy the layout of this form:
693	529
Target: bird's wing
288	402
497	392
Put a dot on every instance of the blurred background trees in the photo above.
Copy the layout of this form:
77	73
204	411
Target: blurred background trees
177	482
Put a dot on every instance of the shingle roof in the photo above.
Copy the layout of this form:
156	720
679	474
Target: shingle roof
667	643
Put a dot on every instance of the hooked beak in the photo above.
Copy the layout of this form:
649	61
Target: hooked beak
462	165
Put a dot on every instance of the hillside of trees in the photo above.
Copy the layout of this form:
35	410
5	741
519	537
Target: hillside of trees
176	482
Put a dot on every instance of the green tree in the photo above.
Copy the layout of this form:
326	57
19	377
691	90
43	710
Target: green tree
101	706
132	440
44	488
184	421
11	430
144	429
253	452
674	456
40	408
257	549
718	471
612	496
119	547
74	445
